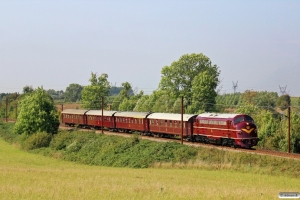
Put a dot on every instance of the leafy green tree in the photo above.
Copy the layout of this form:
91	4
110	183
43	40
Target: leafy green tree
124	94
266	100
177	79
283	102
141	105
248	97
56	95
279	140
204	94
93	93
163	102
73	92
115	90
37	113
127	90
27	89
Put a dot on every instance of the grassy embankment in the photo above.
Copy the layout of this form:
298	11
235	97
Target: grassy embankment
31	176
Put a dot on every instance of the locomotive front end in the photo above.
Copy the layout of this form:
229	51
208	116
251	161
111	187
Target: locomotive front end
246	131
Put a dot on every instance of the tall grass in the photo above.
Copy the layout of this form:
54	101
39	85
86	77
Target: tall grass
31	176
113	151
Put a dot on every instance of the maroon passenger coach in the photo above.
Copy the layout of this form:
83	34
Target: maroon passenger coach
169	125
131	121
94	119
72	117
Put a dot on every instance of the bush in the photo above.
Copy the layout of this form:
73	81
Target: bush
6	132
36	141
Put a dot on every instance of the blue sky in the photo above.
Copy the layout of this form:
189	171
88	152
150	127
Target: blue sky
56	43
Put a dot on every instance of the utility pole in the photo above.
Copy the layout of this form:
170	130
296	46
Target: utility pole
289	129
182	120
102	113
6	109
16	111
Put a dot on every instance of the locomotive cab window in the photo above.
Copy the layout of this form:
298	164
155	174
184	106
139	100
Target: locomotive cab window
249	119
238	119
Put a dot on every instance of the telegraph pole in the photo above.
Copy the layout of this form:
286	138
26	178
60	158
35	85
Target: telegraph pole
289	129
16	111
102	113
182	120
6	109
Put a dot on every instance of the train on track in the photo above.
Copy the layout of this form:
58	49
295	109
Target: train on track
235	130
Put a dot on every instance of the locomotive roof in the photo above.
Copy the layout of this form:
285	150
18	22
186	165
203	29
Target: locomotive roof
74	111
99	112
132	114
171	116
218	115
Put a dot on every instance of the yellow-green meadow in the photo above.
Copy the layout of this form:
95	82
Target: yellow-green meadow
30	176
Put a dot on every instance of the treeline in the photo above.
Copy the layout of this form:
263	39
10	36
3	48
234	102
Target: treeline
195	79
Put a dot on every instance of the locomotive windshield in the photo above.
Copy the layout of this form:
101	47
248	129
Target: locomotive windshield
243	118
249	119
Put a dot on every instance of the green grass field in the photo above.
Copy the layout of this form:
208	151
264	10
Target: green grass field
32	176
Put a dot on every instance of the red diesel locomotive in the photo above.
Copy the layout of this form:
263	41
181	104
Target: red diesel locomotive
236	130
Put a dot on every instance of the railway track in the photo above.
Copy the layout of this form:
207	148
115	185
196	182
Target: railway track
251	151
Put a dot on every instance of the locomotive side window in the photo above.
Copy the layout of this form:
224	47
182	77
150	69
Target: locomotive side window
222	123
202	121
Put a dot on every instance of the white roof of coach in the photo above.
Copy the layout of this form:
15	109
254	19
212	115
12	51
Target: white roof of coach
99	112
171	116
218	115
74	111
132	114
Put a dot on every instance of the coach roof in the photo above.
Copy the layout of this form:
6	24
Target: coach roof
170	116
74	111
132	114
99	112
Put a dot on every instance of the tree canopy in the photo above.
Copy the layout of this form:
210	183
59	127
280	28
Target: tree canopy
93	93
284	101
177	79
204	94
73	92
37	113
124	94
